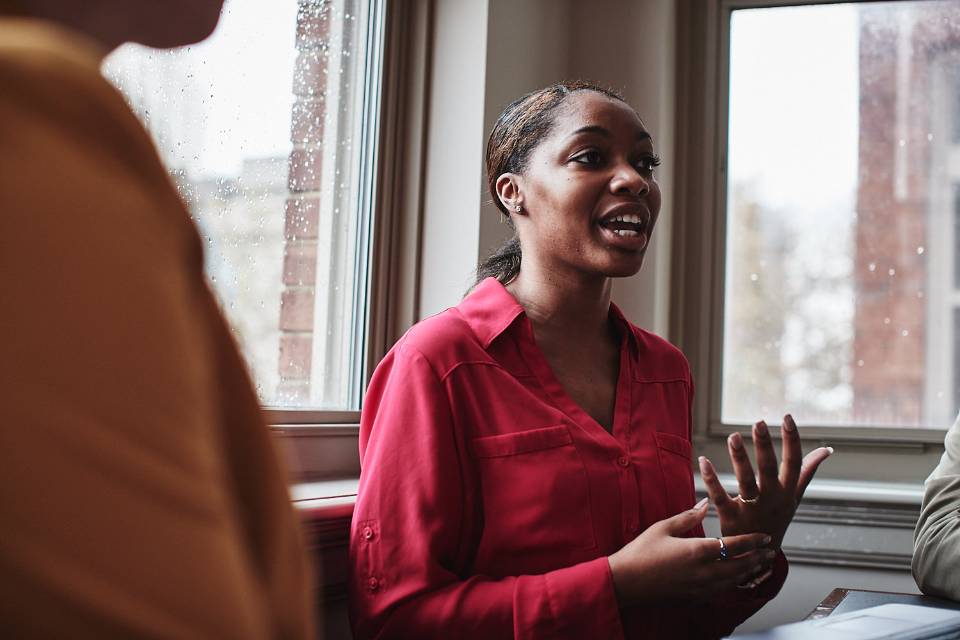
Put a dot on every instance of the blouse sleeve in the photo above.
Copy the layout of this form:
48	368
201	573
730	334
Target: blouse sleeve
724	613
410	541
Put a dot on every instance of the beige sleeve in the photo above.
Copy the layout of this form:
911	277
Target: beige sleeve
936	552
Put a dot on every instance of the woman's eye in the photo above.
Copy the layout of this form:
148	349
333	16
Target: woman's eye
588	157
648	163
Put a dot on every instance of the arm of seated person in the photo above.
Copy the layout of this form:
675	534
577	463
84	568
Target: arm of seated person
936	554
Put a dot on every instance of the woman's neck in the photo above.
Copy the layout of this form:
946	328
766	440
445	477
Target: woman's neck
564	304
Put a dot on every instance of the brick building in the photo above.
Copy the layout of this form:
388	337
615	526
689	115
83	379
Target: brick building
905	370
321	224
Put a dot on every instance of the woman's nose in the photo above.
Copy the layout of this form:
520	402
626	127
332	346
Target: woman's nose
630	181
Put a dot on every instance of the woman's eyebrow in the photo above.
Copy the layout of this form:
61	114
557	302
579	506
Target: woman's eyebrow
594	128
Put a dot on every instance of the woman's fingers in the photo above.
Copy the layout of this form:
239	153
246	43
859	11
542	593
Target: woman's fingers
741	569
742	467
809	467
718	495
744	543
766	456
685	520
792	454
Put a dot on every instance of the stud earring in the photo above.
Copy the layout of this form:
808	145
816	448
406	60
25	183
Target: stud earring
518	208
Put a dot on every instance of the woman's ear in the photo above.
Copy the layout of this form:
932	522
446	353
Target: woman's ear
508	190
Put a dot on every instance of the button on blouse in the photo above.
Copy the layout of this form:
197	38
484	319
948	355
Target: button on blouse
489	500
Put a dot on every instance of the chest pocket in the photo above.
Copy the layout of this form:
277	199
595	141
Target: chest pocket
536	497
674	454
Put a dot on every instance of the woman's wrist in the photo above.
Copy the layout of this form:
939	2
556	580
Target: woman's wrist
616	577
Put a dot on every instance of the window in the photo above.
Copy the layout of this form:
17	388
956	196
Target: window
840	299
270	130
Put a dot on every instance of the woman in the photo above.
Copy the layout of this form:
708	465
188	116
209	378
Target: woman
526	455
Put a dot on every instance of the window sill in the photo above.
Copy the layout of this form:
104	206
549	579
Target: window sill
323	495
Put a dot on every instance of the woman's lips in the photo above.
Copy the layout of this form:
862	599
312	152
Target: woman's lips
629	239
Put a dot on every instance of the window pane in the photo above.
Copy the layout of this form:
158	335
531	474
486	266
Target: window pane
264	129
840	295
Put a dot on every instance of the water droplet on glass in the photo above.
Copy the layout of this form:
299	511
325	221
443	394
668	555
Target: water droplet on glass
904	333
872	266
886	321
859	363
754	277
892	272
920	251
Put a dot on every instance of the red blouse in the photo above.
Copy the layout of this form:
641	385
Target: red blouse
489	500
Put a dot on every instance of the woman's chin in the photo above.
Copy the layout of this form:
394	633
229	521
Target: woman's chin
624	268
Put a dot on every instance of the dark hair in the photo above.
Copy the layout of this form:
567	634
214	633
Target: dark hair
519	129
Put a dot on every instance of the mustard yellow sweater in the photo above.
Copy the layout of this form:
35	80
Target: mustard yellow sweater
139	491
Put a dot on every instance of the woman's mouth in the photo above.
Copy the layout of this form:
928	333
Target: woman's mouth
628	231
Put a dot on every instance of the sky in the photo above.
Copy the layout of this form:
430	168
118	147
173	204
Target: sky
234	91
794	105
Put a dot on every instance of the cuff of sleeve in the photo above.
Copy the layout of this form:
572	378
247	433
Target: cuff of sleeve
768	588
772	585
583	601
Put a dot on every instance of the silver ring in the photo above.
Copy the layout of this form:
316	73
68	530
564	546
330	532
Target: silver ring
747	500
724	553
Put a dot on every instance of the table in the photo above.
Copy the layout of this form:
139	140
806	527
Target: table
846	600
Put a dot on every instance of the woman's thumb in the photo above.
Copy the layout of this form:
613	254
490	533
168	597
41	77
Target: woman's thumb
686	520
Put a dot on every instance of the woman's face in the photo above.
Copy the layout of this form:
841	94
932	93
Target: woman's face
588	191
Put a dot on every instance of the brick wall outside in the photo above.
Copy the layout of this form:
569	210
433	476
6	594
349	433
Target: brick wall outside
303	205
890	273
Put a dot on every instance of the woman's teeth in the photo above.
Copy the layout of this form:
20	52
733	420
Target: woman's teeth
627	226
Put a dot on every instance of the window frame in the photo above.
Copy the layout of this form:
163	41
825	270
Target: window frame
319	444
699	252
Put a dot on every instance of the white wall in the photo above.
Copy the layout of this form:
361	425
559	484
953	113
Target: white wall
454	163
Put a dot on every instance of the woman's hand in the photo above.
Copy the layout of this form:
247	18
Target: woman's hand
769	507
658	565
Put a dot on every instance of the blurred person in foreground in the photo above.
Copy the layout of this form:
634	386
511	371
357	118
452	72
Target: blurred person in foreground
936	552
139	491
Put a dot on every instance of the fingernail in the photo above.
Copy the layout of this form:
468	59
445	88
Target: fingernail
788	423
769	554
830	450
761	428
766	540
703	464
736	441
701	504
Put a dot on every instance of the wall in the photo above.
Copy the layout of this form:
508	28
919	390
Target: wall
454	150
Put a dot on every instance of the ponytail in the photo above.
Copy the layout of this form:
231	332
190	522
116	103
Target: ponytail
503	264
